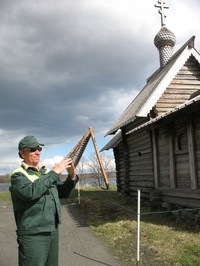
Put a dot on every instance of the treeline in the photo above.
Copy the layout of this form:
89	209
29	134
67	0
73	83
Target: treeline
4	178
84	177
91	175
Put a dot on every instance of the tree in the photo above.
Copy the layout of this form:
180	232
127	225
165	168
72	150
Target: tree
95	169
81	170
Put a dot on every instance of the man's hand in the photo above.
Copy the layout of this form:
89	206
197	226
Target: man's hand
65	164
71	169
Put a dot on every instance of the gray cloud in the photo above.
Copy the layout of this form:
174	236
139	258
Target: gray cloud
67	65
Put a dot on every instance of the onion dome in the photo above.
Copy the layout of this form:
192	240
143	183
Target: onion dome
165	41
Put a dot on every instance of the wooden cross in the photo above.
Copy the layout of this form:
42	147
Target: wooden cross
161	5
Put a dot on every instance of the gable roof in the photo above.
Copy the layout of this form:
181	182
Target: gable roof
156	84
195	100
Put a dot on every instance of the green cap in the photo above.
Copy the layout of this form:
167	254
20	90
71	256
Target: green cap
28	142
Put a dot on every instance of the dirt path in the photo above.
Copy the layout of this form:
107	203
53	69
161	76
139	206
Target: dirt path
78	246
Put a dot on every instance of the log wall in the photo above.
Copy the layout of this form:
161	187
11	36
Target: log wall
120	169
196	123
140	163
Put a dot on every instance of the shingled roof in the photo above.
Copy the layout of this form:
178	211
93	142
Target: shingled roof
155	86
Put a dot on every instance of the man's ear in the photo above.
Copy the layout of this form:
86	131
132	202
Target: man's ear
20	153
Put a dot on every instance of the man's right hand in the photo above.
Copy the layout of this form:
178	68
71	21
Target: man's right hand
64	164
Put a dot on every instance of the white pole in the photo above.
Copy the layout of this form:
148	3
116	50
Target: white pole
79	196
138	229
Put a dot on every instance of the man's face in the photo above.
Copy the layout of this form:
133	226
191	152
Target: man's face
31	156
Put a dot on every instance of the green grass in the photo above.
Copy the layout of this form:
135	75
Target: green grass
5	197
189	255
165	238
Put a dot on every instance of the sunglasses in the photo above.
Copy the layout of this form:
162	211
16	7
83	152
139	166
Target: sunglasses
34	149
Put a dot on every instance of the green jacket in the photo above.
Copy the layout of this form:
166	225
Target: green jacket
35	196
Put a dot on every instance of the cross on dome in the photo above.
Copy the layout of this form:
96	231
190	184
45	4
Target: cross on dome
162	5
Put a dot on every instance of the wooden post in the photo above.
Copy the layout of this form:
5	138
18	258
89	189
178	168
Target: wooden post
192	152
155	158
138	228
172	158
99	157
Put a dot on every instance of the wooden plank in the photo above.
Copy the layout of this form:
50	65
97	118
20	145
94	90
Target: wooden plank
99	158
155	157
169	104
172	168
189	77
172	96
189	67
186	202
182	197
191	149
177	91
184	86
185	82
182	193
163	156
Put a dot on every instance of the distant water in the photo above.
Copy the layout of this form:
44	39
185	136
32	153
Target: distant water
4	186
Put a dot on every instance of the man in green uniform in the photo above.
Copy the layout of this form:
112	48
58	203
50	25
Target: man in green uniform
35	192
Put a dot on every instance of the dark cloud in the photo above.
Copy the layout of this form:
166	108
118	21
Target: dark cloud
67	65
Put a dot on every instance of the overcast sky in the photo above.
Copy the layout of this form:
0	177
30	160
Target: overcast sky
66	65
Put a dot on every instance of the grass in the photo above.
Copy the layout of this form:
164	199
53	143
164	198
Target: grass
5	197
165	239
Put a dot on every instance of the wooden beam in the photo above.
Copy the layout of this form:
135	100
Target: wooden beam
79	148
191	150
172	167
155	158
99	157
